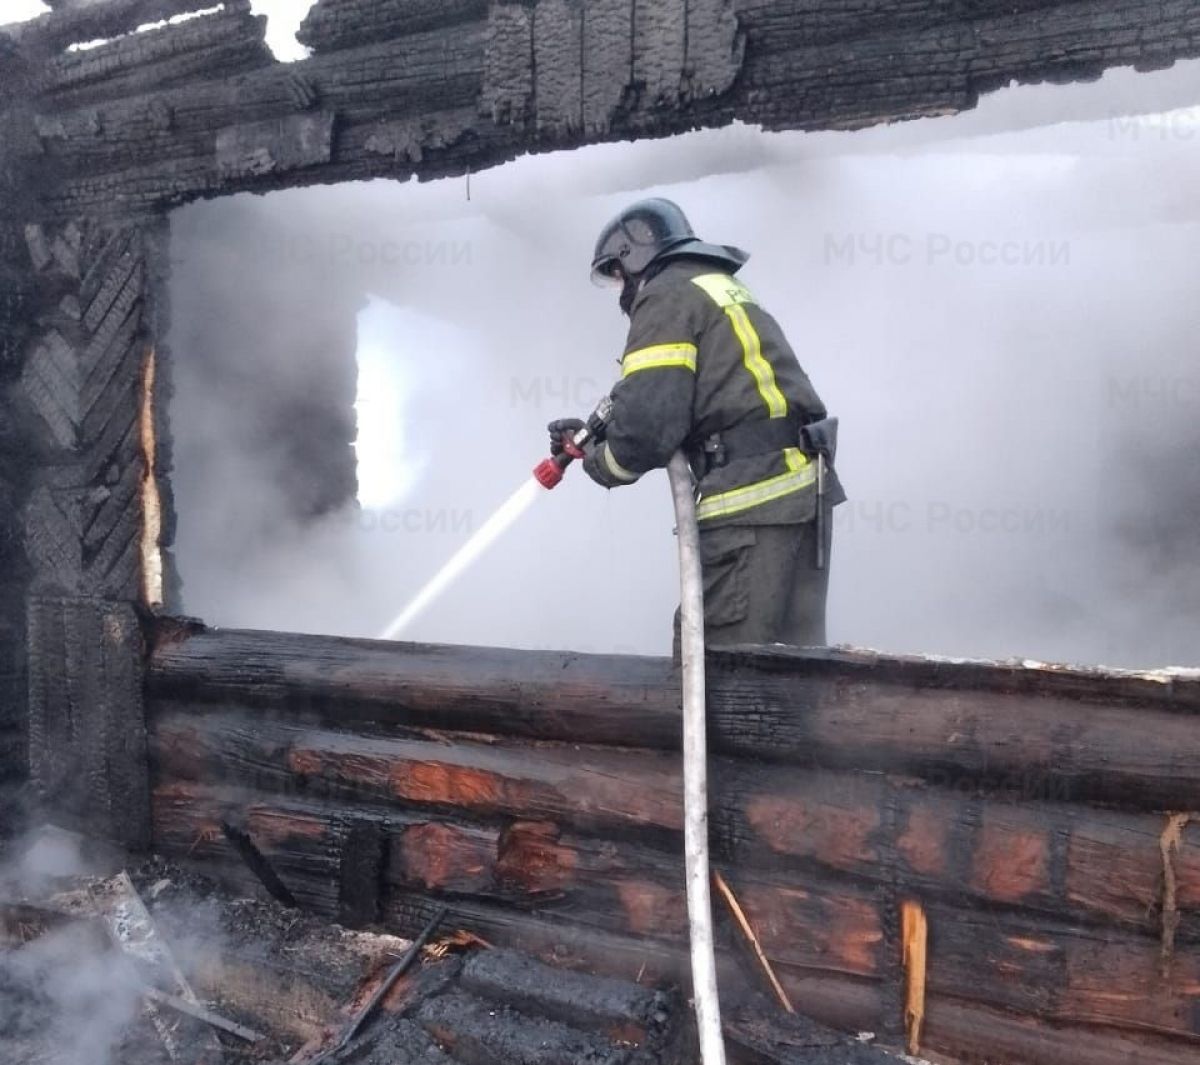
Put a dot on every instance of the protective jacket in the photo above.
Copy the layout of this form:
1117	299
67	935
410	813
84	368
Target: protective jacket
704	358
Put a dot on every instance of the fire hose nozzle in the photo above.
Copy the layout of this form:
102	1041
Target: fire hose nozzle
548	473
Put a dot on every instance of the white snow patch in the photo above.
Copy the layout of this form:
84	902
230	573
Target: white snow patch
174	20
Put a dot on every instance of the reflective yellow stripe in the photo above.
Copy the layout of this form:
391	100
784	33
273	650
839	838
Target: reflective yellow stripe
659	355
725	291
731	295
801	474
760	369
795	458
616	469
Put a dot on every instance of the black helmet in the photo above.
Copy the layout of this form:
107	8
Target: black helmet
651	231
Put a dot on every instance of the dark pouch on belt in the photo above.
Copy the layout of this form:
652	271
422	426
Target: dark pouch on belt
821	438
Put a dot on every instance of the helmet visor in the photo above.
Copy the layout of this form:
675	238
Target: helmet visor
607	272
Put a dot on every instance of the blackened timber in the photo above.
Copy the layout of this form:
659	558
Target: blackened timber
224	43
1031	732
337	24
156	149
360	873
87	731
823	936
53	32
1073	865
481	1033
982	966
538	86
612	1006
257	863
626	790
526	694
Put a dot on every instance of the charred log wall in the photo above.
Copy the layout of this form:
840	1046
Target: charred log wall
429	87
15	296
1036	816
95	147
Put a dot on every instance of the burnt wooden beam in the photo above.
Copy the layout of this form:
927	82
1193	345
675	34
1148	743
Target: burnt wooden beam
79	23
224	43
318	679
87	732
1086	735
442	89
335	24
809	915
991	973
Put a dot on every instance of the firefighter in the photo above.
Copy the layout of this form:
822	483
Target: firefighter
706	368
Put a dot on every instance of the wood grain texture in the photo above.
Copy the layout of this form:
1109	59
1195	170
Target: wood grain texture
1026	734
80	397
87	732
542	75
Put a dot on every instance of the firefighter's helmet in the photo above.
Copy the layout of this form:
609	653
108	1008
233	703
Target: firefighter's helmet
652	231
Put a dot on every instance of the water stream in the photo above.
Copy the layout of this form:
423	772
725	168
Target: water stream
491	530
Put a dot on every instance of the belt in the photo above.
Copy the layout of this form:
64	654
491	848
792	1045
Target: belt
760	437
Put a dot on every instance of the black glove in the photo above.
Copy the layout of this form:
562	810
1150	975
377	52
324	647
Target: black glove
560	428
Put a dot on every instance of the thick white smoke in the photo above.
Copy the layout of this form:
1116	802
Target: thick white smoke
67	997
997	305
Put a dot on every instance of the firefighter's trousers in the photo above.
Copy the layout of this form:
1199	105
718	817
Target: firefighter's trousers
762	585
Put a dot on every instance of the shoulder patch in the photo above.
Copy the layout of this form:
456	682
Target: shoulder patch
725	291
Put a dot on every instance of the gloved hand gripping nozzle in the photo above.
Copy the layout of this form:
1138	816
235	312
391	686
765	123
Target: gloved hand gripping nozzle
550	471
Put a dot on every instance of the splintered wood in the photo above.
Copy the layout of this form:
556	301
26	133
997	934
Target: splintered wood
1169	844
748	931
151	532
914	933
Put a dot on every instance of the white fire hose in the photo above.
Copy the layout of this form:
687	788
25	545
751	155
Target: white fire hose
695	765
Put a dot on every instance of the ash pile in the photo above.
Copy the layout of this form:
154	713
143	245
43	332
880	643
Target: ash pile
155	966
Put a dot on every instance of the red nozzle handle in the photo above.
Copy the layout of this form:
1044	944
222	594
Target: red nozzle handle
548	473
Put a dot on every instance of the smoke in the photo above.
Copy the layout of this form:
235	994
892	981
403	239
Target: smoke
996	304
70	994
67	995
